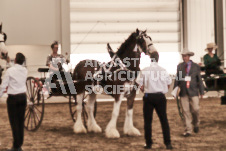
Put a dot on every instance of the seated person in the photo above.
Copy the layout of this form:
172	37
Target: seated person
55	63
54	59
211	61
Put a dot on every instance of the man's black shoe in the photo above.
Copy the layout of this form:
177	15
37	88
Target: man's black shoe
186	134
147	146
169	146
196	129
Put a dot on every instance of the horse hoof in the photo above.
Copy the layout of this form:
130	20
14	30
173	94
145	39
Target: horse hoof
94	128
79	129
133	132
112	133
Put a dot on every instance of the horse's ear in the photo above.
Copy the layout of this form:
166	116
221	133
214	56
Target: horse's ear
5	37
137	31
110	51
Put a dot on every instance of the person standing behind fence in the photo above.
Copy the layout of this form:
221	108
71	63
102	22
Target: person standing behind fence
15	79
189	80
155	81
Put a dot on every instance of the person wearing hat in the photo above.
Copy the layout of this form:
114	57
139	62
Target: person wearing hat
211	61
189	80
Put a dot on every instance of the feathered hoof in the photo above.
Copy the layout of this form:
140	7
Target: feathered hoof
112	133
133	132
94	128
79	128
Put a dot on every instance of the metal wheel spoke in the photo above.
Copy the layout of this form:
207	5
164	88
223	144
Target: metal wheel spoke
31	121
33	88
28	91
30	88
35	98
34	118
27	113
28	120
36	92
37	115
37	109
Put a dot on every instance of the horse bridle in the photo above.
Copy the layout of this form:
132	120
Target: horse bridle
143	34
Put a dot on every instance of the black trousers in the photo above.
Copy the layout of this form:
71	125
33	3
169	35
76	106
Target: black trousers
16	105
155	101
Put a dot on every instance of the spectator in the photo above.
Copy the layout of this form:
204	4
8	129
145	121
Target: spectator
189	80
155	81
15	79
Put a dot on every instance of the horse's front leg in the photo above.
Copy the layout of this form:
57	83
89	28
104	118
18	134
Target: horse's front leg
129	129
92	125
79	126
111	130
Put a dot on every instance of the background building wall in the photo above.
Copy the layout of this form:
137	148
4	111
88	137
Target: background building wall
200	26
31	26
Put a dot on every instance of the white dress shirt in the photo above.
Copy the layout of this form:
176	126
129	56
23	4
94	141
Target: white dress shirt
15	79
154	79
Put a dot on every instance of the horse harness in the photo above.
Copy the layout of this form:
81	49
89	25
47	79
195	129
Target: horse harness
105	68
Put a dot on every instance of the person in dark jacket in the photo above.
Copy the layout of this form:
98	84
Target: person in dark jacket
189	80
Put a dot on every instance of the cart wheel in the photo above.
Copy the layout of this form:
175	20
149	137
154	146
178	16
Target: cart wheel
35	104
180	108
73	109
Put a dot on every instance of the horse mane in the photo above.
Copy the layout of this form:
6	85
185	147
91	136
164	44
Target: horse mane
126	44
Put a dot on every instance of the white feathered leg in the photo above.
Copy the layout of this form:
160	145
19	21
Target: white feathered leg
78	126
92	125
111	131
129	129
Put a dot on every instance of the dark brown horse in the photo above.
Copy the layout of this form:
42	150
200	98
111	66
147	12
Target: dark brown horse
117	78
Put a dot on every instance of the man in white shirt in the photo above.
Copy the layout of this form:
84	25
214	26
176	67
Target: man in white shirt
15	80
155	81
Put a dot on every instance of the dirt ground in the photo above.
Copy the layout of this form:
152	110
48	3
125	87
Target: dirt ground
56	132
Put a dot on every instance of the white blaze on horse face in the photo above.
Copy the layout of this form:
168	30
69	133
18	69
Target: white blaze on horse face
151	49
148	42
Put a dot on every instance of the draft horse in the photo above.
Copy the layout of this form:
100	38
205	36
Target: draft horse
128	60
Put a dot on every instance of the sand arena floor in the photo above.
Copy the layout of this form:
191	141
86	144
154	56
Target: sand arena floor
56	132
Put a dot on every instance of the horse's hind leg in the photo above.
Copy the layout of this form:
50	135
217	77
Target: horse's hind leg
92	125
111	131
129	129
79	126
